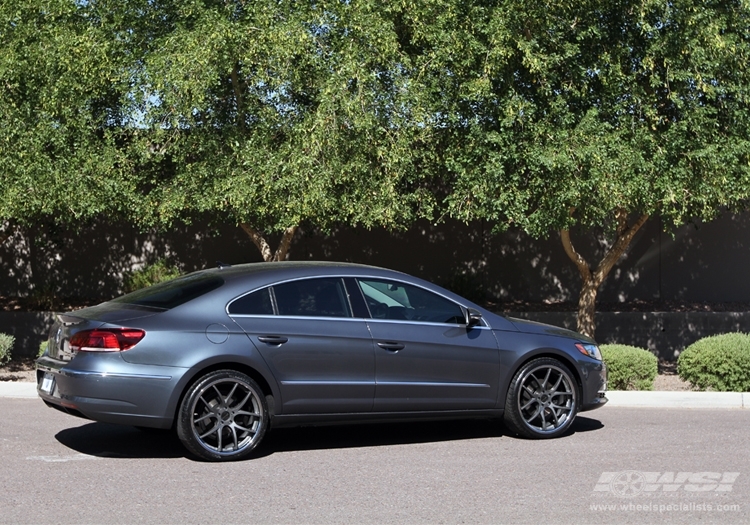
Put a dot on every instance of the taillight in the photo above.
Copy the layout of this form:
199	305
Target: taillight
106	340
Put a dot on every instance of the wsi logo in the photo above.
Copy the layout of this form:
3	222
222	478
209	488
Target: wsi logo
629	483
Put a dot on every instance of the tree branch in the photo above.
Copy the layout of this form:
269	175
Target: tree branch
286	240
259	240
624	237
577	258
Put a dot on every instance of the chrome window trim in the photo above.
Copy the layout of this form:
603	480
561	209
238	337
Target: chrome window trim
300	317
430	323
485	325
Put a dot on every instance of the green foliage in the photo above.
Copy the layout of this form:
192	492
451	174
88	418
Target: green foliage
42	348
579	109
275	114
151	274
629	367
6	344
278	114
719	362
64	67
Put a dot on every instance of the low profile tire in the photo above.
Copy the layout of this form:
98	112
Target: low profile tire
542	400
223	416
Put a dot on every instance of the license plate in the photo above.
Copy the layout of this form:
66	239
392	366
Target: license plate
48	383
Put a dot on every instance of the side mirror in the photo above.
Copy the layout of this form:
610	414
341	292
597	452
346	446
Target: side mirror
472	317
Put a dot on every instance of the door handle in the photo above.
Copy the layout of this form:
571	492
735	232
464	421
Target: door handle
391	346
273	339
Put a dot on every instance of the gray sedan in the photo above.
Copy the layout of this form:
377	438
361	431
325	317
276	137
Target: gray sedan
220	355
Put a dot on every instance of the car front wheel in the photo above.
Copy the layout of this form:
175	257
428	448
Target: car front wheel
542	399
223	416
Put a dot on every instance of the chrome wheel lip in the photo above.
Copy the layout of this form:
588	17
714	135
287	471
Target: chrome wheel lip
546	395
223	413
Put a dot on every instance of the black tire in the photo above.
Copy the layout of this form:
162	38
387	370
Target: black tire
542	400
223	416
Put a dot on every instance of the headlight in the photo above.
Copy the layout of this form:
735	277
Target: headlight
589	350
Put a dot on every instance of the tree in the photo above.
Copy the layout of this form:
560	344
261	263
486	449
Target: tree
604	113
272	115
63	80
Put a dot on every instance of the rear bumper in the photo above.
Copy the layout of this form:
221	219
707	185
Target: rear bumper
110	390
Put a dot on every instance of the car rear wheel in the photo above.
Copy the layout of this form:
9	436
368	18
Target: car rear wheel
223	416
542	399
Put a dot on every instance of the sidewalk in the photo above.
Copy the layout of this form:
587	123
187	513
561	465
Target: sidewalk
617	398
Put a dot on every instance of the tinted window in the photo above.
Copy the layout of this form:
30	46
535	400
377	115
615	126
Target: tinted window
173	293
312	298
394	300
256	303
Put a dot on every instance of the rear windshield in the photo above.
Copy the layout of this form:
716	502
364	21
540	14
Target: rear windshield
173	293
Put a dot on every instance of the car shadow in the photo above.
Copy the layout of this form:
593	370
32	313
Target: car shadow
376	435
383	434
118	441
114	441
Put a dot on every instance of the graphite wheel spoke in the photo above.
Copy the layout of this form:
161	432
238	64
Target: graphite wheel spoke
557	383
245	413
242	403
217	426
230	394
203	418
546	378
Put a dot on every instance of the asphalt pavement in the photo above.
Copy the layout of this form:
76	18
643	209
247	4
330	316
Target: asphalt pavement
654	399
616	465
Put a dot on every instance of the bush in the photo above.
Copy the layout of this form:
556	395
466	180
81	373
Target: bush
149	275
629	367
720	362
6	343
42	348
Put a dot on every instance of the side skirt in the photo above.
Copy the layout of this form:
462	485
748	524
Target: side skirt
285	421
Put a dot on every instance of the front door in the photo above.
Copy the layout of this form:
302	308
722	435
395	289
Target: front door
425	357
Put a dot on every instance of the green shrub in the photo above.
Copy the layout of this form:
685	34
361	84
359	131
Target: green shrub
720	362
42	348
6	343
149	275
629	367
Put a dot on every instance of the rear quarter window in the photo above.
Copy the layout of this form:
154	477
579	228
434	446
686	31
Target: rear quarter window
173	293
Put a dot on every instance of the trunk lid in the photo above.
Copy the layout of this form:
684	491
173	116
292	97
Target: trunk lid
68	324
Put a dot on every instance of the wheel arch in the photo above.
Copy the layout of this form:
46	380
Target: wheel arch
201	370
542	352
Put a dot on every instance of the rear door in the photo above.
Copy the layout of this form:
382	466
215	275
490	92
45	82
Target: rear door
321	356
425	357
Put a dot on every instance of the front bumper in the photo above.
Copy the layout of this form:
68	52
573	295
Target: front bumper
594	386
104	387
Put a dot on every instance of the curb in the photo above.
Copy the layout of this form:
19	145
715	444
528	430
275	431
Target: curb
617	398
665	399
19	389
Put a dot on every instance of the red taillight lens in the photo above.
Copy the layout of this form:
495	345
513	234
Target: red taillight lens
106	340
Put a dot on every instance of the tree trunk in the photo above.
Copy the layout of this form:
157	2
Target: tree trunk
282	251
6	232
591	280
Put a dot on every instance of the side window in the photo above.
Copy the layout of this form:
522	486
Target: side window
325	297
256	303
394	300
